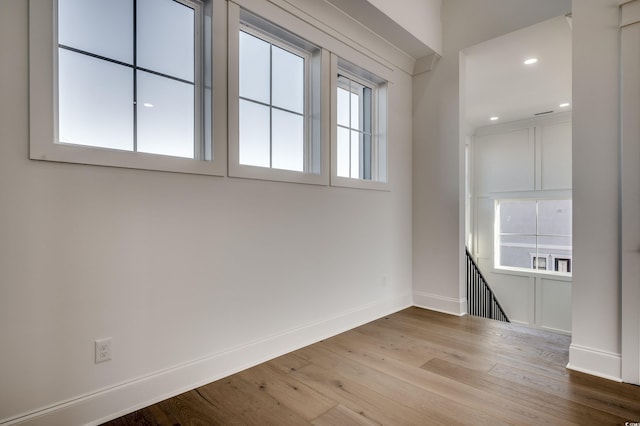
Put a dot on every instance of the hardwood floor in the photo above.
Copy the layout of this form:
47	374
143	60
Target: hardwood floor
415	367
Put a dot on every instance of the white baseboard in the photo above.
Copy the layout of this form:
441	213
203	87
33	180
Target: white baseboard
107	404
595	362
447	305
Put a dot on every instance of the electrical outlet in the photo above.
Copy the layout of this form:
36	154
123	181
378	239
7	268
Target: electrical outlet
103	350
383	283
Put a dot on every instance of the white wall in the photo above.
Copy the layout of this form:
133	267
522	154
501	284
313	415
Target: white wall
438	144
528	156
194	277
596	342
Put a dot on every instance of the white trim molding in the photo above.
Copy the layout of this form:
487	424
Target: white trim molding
106	404
630	12
630	199
595	362
434	302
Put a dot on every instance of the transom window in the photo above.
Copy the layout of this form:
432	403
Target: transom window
130	76
272	108
534	235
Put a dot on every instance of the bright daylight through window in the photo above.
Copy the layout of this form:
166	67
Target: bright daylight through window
354	103
126	82
360	141
272	106
534	235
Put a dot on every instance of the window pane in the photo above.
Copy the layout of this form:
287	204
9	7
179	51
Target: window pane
95	102
165	32
554	217
355	111
288	141
355	155
517	250
555	245
343	152
165	116
101	27
518	217
288	80
255	69
343	107
254	134
551	251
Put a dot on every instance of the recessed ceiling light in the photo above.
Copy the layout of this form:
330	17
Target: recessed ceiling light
530	61
494	118
148	105
564	105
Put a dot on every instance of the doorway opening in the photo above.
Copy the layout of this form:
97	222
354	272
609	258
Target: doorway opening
516	96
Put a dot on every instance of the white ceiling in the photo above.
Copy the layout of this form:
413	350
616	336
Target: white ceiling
499	84
376	20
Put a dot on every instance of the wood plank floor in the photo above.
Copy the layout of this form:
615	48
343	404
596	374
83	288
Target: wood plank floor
415	367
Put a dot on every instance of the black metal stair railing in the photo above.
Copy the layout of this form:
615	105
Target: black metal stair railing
481	301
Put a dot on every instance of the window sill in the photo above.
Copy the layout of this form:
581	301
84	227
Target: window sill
79	154
277	175
550	275
359	184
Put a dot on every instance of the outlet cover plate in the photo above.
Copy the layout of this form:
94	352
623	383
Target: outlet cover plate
103	350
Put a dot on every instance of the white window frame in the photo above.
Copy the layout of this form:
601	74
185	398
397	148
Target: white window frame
316	153
372	131
379	144
43	48
528	196
307	57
